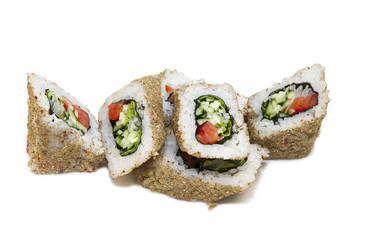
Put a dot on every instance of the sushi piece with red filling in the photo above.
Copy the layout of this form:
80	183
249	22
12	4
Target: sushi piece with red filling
63	135
131	123
287	117
208	122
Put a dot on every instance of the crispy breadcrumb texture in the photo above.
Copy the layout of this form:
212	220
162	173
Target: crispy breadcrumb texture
293	143
159	177
289	144
53	152
152	89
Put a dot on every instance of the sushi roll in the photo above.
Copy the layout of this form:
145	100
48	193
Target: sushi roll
171	81
208	122
63	135
131	123
287	117
182	176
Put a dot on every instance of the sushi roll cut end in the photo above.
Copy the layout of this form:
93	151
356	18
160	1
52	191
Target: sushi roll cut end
63	135
287	117
208	122
131	123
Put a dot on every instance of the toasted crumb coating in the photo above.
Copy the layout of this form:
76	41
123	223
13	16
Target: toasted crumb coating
298	141
159	177
175	126
151	86
55	152
290	144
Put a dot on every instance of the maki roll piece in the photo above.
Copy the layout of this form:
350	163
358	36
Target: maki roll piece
287	117
182	176
208	122
131	123
63	135
171	81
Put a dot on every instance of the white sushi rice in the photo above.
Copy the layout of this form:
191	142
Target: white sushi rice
174	80
241	176
91	140
313	75
242	103
237	147
120	165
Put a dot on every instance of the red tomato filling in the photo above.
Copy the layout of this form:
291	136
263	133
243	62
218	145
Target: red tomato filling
302	103
207	133
115	109
82	116
66	103
168	88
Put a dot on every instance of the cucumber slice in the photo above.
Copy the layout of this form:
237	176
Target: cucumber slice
57	107
278	101
132	147
274	103
123	120
128	129
201	121
213	109
279	97
72	119
199	111
118	140
217	118
281	115
125	143
290	94
209	99
210	110
121	127
215	105
269	108
204	105
122	123
81	127
125	133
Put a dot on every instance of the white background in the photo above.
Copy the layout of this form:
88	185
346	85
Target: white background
92	48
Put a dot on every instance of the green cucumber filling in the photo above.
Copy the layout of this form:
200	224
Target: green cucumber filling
288	101
212	109
69	115
127	129
219	165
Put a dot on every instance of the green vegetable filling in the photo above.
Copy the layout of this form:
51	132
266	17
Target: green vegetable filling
221	165
278	102
212	109
128	129
58	108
